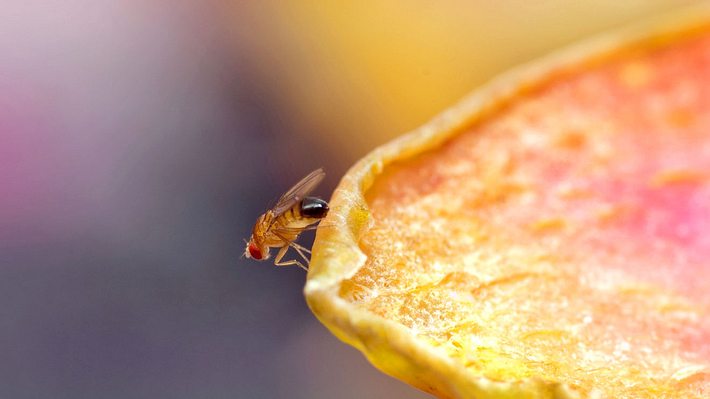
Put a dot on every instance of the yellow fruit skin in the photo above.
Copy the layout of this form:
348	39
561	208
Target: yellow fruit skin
336	254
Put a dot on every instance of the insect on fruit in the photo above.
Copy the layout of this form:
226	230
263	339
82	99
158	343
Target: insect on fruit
280	226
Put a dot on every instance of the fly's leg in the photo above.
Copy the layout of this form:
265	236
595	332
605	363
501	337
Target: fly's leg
300	248
318	226
280	255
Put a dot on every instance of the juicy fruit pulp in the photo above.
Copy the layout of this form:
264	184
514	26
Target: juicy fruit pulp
564	238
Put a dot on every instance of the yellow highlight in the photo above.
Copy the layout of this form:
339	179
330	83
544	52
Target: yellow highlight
636	75
549	224
674	177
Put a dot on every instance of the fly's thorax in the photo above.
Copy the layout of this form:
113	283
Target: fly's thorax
261	228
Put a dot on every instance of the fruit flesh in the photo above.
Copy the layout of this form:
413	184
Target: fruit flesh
566	238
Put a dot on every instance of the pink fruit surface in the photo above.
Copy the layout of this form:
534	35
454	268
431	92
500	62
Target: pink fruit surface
549	237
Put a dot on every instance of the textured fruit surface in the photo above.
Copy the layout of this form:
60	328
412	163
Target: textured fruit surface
560	243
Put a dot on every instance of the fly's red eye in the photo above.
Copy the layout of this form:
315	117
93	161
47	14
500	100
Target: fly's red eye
254	251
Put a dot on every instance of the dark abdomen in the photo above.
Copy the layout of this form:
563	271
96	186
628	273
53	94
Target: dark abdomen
315	208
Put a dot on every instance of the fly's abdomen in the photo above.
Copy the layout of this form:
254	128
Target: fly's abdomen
314	208
304	213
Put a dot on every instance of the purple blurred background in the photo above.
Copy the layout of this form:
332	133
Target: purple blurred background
139	140
137	146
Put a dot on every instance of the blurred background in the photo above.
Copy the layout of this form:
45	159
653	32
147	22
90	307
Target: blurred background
139	140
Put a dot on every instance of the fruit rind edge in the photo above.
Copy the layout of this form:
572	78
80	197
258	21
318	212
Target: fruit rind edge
337	256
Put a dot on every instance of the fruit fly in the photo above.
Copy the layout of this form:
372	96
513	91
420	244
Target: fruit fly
280	226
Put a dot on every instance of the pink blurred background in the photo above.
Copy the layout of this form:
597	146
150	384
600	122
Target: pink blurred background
139	140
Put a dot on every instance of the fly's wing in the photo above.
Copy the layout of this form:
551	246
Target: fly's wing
298	191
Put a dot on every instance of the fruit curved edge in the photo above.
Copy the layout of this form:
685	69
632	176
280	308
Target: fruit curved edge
337	255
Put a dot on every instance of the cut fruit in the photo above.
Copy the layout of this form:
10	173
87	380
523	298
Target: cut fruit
547	238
